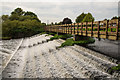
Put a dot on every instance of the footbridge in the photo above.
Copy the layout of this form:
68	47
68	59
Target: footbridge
106	29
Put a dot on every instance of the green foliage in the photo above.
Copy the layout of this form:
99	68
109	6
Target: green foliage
68	42
116	68
115	17
80	18
51	33
44	24
88	18
18	11
83	41
5	17
65	36
28	13
54	37
84	18
52	23
59	23
32	15
56	23
21	24
14	17
67	21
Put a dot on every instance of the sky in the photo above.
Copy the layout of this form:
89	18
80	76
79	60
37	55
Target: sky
56	10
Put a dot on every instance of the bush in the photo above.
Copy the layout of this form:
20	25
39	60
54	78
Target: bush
18	25
42	33
116	68
65	36
54	37
71	42
68	42
84	41
51	33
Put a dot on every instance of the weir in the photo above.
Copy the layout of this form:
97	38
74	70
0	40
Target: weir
106	47
39	58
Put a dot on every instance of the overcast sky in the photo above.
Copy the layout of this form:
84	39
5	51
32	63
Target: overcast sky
56	10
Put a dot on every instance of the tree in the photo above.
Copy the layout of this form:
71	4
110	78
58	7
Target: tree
44	24
28	13
52	23
5	17
55	23
67	21
14	17
88	18
32	15
21	24
84	18
18	11
80	18
60	23
115	17
105	19
16	14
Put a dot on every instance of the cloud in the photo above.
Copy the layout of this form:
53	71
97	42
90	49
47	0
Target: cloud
56	11
59	1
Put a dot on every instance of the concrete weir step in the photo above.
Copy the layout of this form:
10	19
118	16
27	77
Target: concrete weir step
39	58
85	69
93	60
84	62
104	57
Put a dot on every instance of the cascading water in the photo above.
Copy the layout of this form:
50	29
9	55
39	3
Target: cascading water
38	58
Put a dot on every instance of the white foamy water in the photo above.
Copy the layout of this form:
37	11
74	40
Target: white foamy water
37	58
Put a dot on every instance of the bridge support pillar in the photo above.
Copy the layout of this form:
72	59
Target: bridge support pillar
77	37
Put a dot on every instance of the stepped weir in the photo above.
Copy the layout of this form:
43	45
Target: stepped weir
36	57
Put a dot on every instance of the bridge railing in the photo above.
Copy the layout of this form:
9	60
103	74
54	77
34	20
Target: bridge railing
107	29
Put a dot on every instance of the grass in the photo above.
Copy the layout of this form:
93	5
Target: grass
42	33
116	68
65	36
68	42
54	37
71	42
84	41
51	33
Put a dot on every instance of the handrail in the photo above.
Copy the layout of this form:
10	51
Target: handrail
109	27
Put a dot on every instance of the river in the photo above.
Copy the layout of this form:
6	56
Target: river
107	47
